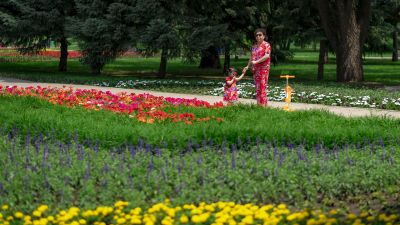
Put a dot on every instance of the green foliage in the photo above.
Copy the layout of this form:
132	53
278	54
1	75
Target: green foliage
104	30
9	10
30	114
159	34
37	170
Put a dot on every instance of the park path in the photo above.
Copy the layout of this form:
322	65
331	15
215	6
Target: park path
342	111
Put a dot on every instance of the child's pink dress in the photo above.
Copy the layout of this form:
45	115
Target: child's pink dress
230	91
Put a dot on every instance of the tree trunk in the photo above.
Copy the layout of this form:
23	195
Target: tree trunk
395	55
210	58
227	59
323	58
62	65
349	60
162	71
346	23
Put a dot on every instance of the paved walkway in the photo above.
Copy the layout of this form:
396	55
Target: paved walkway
343	111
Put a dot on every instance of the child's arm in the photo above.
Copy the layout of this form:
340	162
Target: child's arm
241	76
249	64
230	82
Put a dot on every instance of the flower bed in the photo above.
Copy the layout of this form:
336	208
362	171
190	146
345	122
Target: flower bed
144	107
14	56
275	93
218	213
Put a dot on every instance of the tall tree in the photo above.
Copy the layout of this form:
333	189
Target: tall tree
392	17
345	23
104	30
38	22
216	26
9	11
158	22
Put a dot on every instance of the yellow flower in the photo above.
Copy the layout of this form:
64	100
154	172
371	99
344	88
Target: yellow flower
74	223
167	221
82	221
37	213
135	211
333	212
248	220
200	218
184	219
209	208
232	222
170	212
292	217
43	208
120	204
18	215
383	217
351	216
135	220
370	218
311	222
4	207
281	206
121	221
27	218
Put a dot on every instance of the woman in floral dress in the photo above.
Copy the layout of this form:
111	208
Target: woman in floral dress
260	64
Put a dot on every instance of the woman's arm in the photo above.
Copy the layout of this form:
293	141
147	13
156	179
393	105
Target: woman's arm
241	76
262	59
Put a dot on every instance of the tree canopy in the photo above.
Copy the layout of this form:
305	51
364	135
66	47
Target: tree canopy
202	30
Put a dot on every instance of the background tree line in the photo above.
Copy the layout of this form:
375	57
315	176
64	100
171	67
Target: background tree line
201	30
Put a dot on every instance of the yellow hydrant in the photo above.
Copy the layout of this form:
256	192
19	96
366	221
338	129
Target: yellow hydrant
288	91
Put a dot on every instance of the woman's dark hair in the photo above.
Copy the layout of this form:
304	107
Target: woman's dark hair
263	31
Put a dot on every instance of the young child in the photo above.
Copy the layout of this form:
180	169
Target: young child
230	89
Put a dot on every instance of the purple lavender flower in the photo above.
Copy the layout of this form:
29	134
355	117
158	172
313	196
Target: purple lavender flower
318	149
86	176
158	151
211	143
275	153
381	143
46	183
106	168
151	165
266	173
132	151
223	147
234	150
148	148
249	141
299	154
204	144
239	143
179	167
163	174
281	159
140	143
